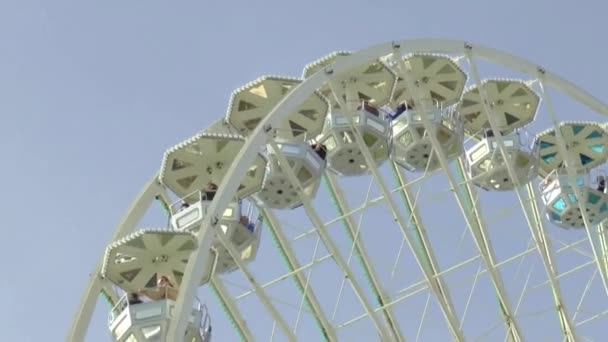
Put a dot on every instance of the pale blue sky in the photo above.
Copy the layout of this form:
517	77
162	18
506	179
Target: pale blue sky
93	92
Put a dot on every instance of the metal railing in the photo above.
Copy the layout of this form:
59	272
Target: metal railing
155	295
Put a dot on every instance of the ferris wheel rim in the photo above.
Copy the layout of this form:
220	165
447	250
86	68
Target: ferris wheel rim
262	134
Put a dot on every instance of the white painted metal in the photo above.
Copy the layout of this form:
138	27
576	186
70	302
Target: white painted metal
376	80
232	309
477	230
263	132
530	210
513	103
561	201
344	155
572	177
277	191
333	249
436	76
202	160
148	321
273	224
442	296
489	170
368	265
411	147
137	260
85	311
252	102
584	151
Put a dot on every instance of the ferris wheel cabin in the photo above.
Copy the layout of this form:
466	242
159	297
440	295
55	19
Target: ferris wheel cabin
490	171
411	144
136	321
242	231
148	267
585	145
308	165
331	129
344	156
562	202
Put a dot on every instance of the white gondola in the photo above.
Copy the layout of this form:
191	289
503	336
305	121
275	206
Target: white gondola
243	231
204	159
139	259
562	204
250	104
411	146
344	156
586	147
513	105
149	321
307	164
488	169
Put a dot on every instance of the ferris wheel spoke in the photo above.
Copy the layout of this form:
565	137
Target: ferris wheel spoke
276	110
426	256
331	244
472	217
585	291
96	284
572	176
441	292
231	309
535	223
360	249
308	294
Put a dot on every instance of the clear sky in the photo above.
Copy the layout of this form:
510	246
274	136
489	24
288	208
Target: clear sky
93	92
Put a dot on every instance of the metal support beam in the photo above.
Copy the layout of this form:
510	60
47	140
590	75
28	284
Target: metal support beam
437	287
366	262
330	244
563	150
529	206
286	249
468	205
85	311
232	309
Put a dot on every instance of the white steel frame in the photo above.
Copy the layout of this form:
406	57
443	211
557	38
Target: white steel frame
464	193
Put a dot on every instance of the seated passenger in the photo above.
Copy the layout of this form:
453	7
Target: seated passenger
133	298
245	222
184	205
601	184
401	108
210	191
320	149
164	290
369	108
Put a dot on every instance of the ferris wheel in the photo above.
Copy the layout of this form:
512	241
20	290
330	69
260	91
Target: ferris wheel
469	186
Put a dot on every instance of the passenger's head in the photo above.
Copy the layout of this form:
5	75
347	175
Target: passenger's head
163	281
